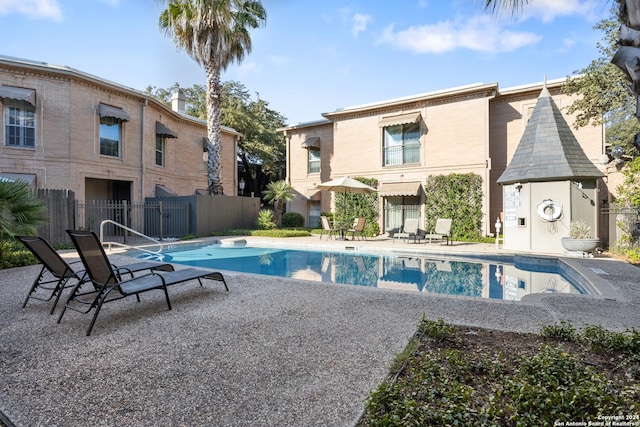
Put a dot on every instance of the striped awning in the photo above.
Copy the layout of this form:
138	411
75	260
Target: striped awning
400	119
165	131
28	178
164	191
18	94
313	143
117	113
400	189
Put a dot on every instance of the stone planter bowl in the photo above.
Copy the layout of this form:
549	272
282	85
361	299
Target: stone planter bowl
579	245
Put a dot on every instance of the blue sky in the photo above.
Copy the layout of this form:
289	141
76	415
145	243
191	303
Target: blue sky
315	56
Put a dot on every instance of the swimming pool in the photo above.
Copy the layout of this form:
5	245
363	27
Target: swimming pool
502	277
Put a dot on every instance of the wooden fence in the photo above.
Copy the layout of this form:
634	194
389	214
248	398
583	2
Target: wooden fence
164	217
61	214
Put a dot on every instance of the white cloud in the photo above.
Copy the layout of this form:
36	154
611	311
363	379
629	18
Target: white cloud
548	10
359	23
478	34
34	9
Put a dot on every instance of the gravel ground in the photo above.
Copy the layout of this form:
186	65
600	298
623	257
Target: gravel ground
270	352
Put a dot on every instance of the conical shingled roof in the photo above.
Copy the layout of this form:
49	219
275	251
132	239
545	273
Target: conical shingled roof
548	149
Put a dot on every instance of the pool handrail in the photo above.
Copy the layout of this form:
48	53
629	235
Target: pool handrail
124	245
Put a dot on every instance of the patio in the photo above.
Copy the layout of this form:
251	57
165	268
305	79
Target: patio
269	352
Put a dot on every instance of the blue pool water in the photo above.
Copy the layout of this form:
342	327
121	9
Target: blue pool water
506	277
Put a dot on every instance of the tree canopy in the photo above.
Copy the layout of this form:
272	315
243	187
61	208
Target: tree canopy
604	95
262	148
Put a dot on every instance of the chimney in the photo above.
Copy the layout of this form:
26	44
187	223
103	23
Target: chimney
178	100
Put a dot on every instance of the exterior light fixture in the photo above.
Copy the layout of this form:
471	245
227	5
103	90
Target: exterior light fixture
241	186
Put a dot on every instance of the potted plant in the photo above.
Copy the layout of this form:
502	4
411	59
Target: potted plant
580	238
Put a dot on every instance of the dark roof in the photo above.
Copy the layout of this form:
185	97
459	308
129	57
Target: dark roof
548	149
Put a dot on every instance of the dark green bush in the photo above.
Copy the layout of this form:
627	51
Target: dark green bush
446	382
292	220
14	254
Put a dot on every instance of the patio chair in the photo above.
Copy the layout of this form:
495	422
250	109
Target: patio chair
108	285
358	228
441	231
327	228
57	274
409	229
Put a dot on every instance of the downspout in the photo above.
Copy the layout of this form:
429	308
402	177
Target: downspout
142	167
287	151
236	175
487	178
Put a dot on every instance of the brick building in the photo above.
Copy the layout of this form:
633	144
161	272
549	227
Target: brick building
65	129
400	142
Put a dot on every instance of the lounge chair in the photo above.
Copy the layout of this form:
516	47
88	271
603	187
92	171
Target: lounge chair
327	228
409	229
108	285
57	274
358	228
441	231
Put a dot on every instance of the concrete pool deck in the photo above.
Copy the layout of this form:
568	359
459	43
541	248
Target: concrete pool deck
270	352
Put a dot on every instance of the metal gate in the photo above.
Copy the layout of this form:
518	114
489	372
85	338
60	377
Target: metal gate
158	219
624	226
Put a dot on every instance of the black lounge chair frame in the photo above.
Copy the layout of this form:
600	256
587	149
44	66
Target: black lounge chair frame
108	285
57	274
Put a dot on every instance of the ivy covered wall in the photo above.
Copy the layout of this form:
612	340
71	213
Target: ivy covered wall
455	196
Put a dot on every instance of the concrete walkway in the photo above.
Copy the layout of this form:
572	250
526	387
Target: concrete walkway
270	352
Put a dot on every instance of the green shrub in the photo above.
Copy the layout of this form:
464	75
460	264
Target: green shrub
265	220
292	220
274	232
452	378
14	254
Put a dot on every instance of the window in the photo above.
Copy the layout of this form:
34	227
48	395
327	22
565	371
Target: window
401	144
19	124
110	136
159	150
314	161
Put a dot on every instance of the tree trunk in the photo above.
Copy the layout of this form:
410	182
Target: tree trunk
214	163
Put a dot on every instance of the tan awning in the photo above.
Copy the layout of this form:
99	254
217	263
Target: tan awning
312	143
312	194
165	131
18	94
29	178
400	189
115	112
400	120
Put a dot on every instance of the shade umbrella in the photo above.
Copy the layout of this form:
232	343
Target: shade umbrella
346	185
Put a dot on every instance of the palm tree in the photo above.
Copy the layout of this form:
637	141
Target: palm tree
20	212
215	33
512	5
278	193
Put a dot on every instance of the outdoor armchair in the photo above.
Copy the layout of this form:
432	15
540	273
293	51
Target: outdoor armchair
441	231
358	228
57	274
327	228
409	230
108	284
